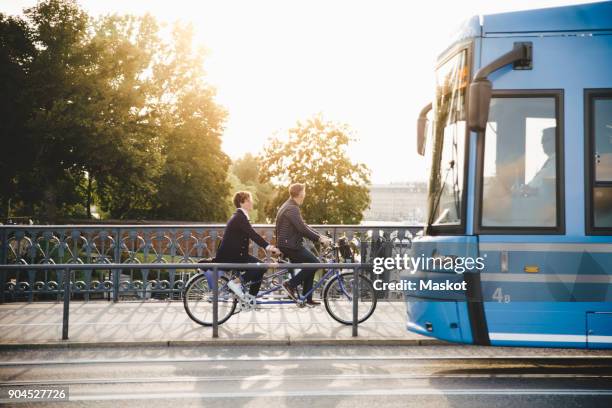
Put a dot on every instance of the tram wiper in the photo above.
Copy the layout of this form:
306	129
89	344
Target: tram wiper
430	221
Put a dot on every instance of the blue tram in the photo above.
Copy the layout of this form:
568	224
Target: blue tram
519	144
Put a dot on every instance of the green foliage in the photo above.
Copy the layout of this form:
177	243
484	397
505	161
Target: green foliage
16	51
246	168
315	154
105	112
244	176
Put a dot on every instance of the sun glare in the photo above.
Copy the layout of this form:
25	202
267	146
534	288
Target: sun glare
367	64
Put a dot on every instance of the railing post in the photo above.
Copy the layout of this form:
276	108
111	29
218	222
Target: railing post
116	272
363	261
4	248
215	330
355	300
3	259
66	273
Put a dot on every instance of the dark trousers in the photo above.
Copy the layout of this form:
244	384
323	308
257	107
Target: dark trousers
252	275
305	276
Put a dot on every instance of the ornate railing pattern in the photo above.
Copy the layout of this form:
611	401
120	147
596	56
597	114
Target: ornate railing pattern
131	244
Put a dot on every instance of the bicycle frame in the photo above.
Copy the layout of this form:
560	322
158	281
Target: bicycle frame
280	272
301	298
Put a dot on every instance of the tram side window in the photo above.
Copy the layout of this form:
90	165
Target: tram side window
520	163
601	142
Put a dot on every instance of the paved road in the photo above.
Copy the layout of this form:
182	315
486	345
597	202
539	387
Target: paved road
316	376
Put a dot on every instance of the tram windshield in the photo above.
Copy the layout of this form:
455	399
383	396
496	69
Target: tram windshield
445	150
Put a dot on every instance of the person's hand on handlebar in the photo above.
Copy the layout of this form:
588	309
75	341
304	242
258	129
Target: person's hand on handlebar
325	240
275	251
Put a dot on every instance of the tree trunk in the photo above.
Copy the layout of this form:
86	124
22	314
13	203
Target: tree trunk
50	208
89	197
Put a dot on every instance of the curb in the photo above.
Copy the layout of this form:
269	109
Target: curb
226	343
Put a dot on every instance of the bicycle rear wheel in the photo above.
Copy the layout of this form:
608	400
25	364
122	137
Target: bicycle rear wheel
338	298
198	300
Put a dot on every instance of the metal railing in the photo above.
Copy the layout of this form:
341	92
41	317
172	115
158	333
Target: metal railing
120	251
67	284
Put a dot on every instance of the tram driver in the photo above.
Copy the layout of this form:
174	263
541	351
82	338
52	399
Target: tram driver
547	173
540	190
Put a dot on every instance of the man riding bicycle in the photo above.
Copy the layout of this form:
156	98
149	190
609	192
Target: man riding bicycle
199	294
234	246
290	230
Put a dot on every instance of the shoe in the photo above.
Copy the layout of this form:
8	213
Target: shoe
290	291
237	289
312	303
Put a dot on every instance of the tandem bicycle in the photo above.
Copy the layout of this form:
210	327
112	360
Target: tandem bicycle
337	294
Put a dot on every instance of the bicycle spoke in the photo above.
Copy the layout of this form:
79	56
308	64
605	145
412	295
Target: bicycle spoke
338	298
198	301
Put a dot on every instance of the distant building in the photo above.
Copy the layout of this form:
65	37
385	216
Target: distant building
401	202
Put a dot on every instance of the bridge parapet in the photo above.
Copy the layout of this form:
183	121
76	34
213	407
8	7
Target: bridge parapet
136	244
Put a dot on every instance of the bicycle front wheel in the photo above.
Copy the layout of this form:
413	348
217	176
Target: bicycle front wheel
198	300
338	298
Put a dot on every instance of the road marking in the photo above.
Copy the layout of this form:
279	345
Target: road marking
267	377
326	393
297	358
175	325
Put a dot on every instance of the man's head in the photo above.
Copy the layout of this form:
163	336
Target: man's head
297	191
548	140
244	200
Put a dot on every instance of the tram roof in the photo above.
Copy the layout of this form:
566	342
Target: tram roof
591	17
581	17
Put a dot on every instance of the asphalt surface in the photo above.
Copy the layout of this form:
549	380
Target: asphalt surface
313	376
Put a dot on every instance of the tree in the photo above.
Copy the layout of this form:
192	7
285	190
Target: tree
104	111
124	157
193	184
49	180
315	154
246	168
244	176
16	50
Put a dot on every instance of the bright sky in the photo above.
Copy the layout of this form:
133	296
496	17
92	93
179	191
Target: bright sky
365	63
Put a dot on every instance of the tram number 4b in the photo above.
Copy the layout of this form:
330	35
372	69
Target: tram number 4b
500	296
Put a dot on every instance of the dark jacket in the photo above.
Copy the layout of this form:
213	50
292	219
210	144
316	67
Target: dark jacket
291	228
235	243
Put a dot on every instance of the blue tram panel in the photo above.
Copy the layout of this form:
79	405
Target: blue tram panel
530	190
599	329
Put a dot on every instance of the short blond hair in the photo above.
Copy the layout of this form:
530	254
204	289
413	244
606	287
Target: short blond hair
295	189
